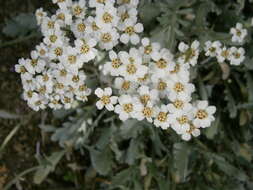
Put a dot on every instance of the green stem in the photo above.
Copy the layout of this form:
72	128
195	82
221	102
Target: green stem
8	186
18	40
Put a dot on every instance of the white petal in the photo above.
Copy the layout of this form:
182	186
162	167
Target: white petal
99	105
99	92
124	38
109	107
186	136
108	91
138	28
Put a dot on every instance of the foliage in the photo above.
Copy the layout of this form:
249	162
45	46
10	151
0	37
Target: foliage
135	155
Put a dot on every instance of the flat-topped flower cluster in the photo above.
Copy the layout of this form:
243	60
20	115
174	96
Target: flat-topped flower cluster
149	82
54	74
152	84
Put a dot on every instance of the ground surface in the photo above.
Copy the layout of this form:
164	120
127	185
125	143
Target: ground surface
19	153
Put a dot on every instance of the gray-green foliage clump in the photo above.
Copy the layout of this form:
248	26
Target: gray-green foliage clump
135	154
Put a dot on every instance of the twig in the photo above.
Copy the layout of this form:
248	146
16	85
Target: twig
8	186
8	138
18	40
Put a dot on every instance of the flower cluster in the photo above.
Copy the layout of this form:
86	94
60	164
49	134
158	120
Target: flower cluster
155	85
54	75
151	83
215	49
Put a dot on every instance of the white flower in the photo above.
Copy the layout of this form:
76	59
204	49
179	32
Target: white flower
28	81
203	114
55	52
42	50
194	131
163	63
106	100
53	38
113	66
132	67
237	56
63	4
131	31
67	100
96	3
106	16
179	88
81	28
125	14
40	15
190	54
147	112
130	3
125	86
181	122
64	17
160	84
49	25
86	49
20	67
180	105
147	95
79	8
223	54
162	118
150	50
35	65
71	60
212	48
54	102
238	33
127	107
108	38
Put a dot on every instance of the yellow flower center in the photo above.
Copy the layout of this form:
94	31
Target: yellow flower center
131	69
116	63
183	120
78	10
94	26
34	62
144	99
162	117
124	16
107	17
161	86
58	51
75	78
50	24
71	59
85	49
176	69
130	30
61	16
81	27
53	38
201	114
178	87
147	112
82	88
128	108
106	99
63	73
161	64
45	78
126	85
106	37
148	49
178	104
